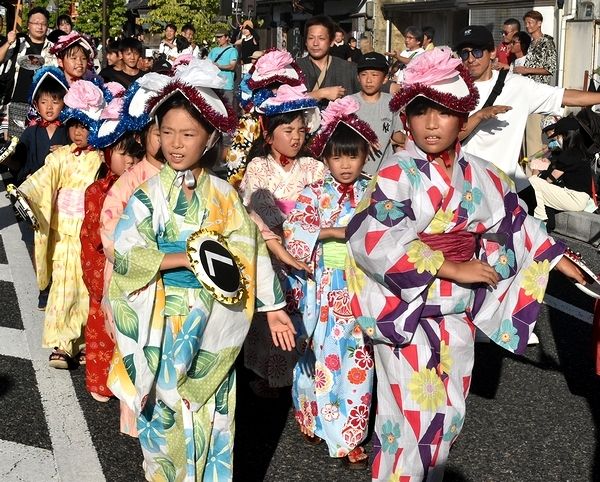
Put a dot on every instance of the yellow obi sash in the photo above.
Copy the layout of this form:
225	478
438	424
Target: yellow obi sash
334	254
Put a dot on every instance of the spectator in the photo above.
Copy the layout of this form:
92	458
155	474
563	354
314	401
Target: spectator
504	57
355	52
375	110
519	45
494	132
225	57
248	43
130	50
35	44
184	47
188	31
7	73
327	77
540	66
339	48
114	59
413	38
167	45
64	23
428	35
365	45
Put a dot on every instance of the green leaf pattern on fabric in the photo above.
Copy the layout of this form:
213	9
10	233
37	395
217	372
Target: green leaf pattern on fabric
143	197
168	468
193	210
145	228
168	415
130	366
181	206
203	363
222	398
152	354
126	319
121	263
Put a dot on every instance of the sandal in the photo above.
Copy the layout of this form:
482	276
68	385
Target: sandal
80	357
311	439
99	398
261	389
356	464
59	359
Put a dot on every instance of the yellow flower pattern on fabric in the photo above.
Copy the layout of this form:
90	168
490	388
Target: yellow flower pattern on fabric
427	389
502	175
440	221
446	360
424	258
354	276
535	280
395	477
431	290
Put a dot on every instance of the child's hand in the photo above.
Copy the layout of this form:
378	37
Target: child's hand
54	147
473	271
333	233
571	270
282	329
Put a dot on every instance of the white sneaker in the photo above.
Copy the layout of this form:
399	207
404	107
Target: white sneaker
533	339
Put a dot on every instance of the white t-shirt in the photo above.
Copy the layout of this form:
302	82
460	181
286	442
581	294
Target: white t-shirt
163	48
499	140
520	62
410	54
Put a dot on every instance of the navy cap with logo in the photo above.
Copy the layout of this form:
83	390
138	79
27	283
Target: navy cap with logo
372	61
474	36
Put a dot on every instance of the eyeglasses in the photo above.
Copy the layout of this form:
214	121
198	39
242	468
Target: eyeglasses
504	32
38	24
464	54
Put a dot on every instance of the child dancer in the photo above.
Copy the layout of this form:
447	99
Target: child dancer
273	180
47	134
178	338
337	386
121	155
435	232
75	54
56	192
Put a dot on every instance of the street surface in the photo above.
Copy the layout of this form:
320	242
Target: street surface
529	418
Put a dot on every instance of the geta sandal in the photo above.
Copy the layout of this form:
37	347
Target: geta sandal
357	464
59	359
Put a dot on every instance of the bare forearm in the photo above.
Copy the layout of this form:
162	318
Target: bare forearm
175	260
580	98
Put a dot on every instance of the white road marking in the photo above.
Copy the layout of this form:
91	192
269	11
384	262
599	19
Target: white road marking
22	463
69	433
14	343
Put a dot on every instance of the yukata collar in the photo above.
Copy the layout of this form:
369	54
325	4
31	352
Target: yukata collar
345	190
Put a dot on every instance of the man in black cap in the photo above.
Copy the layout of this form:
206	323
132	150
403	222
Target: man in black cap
495	129
375	109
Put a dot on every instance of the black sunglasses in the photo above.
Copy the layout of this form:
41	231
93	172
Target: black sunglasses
464	54
504	32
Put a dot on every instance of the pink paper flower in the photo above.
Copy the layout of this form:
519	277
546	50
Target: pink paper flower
273	62
341	107
431	67
113	109
184	59
115	88
84	95
286	93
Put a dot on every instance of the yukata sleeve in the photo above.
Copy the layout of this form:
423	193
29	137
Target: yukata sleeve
92	260
137	257
254	190
303	225
522	253
390	270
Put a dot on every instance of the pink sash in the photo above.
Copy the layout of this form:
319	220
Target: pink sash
285	206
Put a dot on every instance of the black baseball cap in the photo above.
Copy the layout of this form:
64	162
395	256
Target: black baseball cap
474	36
372	61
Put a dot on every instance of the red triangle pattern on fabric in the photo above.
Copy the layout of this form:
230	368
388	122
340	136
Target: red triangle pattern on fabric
438	445
372	238
411	354
413	417
466	385
496	180
543	247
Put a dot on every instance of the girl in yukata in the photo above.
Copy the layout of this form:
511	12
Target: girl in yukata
440	245
274	179
333	379
124	153
56	192
179	330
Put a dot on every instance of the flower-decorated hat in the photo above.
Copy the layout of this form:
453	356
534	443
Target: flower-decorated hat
291	99
199	82
73	38
342	110
109	127
275	66
44	73
135	114
440	78
84	101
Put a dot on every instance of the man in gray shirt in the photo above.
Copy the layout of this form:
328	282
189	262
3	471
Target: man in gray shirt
327	78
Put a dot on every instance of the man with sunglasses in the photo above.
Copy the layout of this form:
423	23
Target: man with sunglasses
495	133
504	56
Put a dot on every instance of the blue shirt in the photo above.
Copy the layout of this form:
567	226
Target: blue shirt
230	55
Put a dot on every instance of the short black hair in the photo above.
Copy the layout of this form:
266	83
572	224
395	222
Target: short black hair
188	26
260	148
323	21
345	142
131	43
525	41
64	18
429	32
41	10
113	47
52	87
514	23
416	32
171	25
129	145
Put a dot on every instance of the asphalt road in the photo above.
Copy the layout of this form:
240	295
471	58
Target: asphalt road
529	418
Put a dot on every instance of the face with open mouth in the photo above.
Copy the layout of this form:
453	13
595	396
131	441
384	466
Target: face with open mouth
182	139
288	139
434	129
345	168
